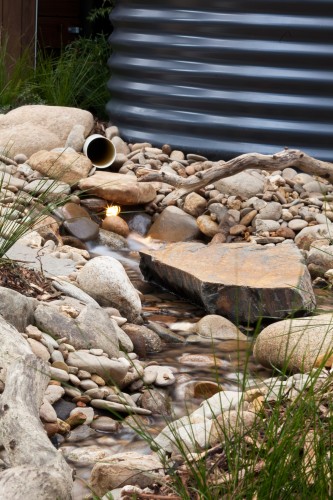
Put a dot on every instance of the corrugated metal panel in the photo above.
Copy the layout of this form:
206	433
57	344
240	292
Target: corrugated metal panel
224	77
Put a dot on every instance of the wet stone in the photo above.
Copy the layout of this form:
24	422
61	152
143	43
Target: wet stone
105	424
63	408
85	229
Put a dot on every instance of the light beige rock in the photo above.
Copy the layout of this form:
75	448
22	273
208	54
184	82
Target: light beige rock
76	138
295	343
36	127
214	326
47	412
120	189
230	423
246	184
39	349
67	167
105	279
125	468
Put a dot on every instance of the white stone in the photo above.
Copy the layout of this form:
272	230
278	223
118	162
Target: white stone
57	374
222	401
297	224
53	393
105	279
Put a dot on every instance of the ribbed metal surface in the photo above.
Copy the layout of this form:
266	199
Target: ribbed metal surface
224	77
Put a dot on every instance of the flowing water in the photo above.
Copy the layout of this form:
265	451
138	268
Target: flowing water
224	362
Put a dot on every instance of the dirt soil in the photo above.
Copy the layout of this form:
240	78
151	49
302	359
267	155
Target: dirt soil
29	282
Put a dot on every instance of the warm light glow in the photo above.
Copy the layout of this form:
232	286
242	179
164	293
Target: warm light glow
113	210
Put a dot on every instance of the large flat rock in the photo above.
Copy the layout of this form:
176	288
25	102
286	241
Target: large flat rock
118	188
241	281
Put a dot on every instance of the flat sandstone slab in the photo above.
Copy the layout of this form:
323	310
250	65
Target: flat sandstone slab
240	281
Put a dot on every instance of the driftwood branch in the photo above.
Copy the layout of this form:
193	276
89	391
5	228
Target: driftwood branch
220	170
37	470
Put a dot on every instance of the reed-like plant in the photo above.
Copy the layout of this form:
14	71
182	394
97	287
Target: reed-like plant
77	77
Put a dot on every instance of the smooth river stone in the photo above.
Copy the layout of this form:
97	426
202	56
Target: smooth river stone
85	229
74	211
243	282
118	407
173	224
119	188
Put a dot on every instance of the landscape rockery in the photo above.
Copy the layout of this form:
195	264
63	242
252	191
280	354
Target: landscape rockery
248	240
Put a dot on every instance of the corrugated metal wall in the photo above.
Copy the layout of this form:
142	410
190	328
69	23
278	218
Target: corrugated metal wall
224	77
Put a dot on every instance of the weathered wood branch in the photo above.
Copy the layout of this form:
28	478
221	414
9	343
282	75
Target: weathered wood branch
220	170
38	471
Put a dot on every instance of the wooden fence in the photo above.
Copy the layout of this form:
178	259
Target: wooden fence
17	26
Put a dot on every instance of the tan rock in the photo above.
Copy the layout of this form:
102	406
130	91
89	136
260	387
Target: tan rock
36	127
69	167
125	468
214	326
119	188
207	226
194	204
116	225
48	228
238	280
230	423
296	344
173	224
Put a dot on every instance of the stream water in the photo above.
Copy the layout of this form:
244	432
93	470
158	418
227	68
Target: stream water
232	359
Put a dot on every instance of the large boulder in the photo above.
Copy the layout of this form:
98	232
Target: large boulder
106	281
173	224
296	344
243	282
68	167
29	129
120	189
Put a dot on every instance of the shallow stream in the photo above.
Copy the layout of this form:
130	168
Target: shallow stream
224	363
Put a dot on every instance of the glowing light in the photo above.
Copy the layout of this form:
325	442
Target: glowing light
113	210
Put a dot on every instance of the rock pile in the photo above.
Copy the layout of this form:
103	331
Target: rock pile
250	240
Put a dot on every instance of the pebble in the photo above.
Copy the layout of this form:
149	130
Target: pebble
98	380
88	412
58	374
105	424
95	393
53	393
297	224
118	407
88	384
